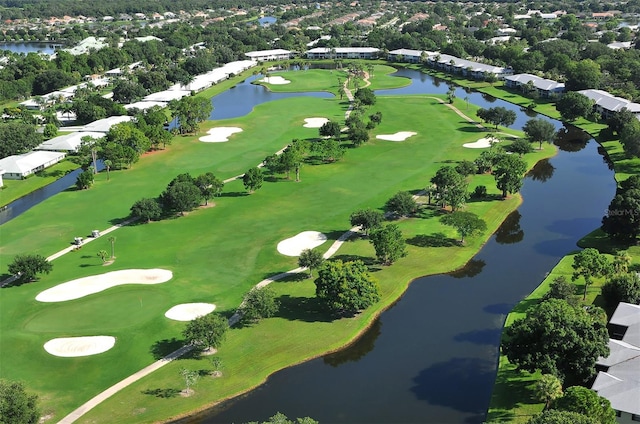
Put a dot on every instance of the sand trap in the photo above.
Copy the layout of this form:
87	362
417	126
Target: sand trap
276	80
482	143
315	122
189	311
85	286
219	134
305	240
72	347
399	136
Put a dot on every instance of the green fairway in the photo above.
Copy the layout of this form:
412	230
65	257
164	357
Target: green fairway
217	254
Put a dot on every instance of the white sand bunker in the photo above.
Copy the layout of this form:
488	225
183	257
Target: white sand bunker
305	240
482	143
399	136
72	347
315	122
276	80
219	134
85	286
189	311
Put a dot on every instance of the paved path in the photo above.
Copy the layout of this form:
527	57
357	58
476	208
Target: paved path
101	397
461	114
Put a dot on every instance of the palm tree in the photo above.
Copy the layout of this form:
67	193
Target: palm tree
108	164
548	388
112	240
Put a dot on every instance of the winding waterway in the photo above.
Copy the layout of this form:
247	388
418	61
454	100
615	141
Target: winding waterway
432	357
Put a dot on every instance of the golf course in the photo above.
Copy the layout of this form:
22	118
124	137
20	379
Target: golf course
216	254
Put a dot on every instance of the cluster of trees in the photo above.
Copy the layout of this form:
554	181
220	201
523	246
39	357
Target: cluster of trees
576	405
621	284
191	111
622	220
291	159
184	193
346	288
17	138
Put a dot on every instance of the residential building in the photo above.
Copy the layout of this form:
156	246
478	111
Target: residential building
545	88
343	53
17	167
267	55
618	378
607	104
409	55
466	67
69	143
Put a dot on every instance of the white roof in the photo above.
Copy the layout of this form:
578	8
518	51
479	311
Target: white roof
344	50
464	64
539	83
68	142
85	45
410	52
610	102
261	53
167	95
144	105
21	164
104	125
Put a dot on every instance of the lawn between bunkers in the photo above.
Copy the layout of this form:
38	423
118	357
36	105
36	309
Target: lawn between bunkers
217	254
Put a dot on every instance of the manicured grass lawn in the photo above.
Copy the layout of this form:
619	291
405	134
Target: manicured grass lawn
218	253
14	189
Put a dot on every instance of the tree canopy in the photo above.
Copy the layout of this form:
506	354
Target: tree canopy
207	331
557	338
27	266
346	287
539	131
388	243
259	303
465	223
16	405
508	173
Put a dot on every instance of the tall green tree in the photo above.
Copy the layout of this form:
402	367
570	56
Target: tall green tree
553	416
574	105
402	204
451	187
622	220
209	186
16	405
207	331
557	338
181	197
367	219
310	259
27	266
508	173
589	264
191	111
539	131
622	288
252	179
346	287
146	209
259	303
85	179
388	243
465	223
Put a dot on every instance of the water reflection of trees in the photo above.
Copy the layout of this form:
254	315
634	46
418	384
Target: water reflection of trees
606	159
357	350
571	139
510	231
541	171
488	97
471	269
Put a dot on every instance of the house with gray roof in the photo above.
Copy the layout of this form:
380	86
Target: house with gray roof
618	378
69	143
607	104
18	167
465	67
545	87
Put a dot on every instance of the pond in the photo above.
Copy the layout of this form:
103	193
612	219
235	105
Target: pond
30	46
432	357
